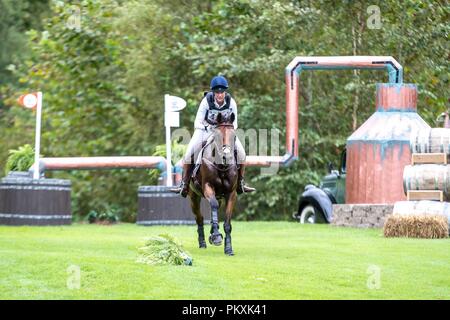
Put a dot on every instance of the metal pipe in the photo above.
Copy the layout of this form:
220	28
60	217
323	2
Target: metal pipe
90	163
294	68
262	161
292	75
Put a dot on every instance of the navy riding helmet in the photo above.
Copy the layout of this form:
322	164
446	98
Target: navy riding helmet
219	84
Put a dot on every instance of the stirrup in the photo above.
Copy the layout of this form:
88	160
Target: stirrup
242	188
182	189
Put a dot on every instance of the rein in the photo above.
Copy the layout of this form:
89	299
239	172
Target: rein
229	166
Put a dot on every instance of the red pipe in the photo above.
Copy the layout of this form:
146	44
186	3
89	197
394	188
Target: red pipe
294	68
87	163
395	72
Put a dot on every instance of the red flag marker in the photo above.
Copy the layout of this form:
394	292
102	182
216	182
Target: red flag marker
34	101
29	100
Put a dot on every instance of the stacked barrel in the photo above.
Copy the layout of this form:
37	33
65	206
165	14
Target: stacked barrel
428	176
426	181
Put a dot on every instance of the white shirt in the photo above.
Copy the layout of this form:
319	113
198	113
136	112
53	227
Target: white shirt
200	122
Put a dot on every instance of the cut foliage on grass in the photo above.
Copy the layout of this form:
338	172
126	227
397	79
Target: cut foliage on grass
163	249
416	226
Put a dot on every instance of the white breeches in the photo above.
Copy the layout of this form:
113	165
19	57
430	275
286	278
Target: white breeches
195	145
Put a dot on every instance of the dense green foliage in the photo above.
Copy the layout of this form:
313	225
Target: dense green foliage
16	17
21	159
104	81
274	261
102	217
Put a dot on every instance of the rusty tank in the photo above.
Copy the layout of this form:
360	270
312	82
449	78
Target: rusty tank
379	149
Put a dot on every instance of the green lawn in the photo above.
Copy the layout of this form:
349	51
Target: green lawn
274	260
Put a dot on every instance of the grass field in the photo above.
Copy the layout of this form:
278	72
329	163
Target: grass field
274	260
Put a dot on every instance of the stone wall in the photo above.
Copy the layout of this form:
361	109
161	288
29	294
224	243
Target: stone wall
361	215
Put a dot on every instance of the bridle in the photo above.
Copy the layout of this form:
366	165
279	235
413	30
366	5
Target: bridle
224	147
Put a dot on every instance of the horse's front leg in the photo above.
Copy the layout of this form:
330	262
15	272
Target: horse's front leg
216	237
195	205
231	201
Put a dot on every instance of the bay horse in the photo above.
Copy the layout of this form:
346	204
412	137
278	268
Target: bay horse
215	178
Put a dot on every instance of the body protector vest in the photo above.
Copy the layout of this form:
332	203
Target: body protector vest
213	110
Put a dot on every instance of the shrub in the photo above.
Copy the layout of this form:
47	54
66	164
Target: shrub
21	159
92	216
103	217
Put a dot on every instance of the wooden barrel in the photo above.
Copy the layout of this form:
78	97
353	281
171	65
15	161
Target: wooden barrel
427	177
433	140
158	206
422	207
27	201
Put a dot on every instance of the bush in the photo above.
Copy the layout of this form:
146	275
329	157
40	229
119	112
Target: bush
21	159
92	216
103	217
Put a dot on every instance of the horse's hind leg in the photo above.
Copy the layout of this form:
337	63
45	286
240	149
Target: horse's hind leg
231	200
216	237
195	205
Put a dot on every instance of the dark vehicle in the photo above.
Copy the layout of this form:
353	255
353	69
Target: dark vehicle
315	204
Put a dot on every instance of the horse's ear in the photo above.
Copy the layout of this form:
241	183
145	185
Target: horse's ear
232	117
219	118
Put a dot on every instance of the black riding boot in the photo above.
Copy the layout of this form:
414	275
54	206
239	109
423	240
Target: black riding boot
241	187
183	188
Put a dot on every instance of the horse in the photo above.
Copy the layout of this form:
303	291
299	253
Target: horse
215	178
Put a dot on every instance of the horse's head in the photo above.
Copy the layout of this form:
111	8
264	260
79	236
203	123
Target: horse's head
224	138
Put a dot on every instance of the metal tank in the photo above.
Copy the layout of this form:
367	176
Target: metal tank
378	151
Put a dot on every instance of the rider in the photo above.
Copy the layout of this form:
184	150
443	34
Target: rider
216	101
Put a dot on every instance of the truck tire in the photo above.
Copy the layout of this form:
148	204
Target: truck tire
309	214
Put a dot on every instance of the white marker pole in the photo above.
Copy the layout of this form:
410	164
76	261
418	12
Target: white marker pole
169	156
37	144
168	141
172	105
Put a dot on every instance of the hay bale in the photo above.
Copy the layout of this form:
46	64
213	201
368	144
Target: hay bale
422	208
416	226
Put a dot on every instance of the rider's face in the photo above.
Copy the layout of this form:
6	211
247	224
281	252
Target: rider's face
220	97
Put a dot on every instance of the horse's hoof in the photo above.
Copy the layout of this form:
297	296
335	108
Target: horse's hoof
229	253
216	239
202	245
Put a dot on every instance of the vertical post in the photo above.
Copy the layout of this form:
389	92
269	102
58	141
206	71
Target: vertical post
172	105
169	156
37	143
168	140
